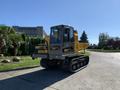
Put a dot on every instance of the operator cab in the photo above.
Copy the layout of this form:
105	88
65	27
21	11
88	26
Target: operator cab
61	41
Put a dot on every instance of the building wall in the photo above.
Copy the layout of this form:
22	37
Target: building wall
31	31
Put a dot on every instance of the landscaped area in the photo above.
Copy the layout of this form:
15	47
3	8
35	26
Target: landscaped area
25	62
20	45
86	53
102	50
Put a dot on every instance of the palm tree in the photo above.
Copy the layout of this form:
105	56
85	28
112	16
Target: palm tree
8	37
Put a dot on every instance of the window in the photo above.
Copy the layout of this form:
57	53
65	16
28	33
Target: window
55	36
68	35
71	35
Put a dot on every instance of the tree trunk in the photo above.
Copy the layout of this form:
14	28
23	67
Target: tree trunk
14	51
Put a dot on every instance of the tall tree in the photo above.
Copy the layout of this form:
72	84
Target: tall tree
16	39
3	37
103	38
8	38
84	37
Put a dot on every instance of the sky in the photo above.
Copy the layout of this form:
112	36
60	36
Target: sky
93	16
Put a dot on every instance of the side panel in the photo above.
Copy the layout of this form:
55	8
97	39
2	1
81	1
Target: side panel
76	43
82	46
79	45
42	50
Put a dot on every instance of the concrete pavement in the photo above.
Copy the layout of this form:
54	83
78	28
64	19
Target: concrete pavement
102	73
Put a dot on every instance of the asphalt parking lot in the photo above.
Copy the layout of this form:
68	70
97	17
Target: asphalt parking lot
102	73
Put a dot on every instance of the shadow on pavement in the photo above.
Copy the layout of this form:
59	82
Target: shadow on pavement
37	80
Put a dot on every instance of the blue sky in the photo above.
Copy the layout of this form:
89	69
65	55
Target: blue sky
93	16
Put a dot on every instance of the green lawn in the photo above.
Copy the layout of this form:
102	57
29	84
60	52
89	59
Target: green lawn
26	61
102	50
86	53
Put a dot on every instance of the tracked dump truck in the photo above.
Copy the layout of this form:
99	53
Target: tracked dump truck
61	49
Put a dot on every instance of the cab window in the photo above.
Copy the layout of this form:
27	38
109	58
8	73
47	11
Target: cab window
68	35
55	36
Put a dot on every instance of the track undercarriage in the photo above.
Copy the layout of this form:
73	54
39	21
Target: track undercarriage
71	64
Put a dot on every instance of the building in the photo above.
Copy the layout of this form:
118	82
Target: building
31	31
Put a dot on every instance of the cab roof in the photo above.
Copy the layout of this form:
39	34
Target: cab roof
62	26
